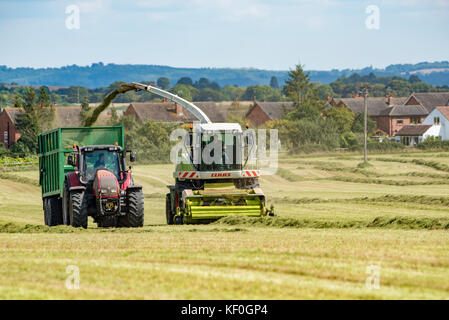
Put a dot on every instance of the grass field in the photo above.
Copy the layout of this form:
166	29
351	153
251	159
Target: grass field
334	220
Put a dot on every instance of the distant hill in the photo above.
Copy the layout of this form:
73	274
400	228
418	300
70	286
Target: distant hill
101	75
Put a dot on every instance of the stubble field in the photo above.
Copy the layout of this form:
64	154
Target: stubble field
335	224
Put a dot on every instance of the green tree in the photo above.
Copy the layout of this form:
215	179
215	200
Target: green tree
298	86
185	80
306	110
358	124
304	95
44	97
27	123
208	94
185	91
203	83
232	93
76	94
274	82
45	112
342	116
262	93
324	91
163	83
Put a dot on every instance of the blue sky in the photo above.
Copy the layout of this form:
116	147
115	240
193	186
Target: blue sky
321	34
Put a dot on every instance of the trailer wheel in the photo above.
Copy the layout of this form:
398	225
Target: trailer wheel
168	211
78	209
45	206
52	211
65	205
107	222
134	216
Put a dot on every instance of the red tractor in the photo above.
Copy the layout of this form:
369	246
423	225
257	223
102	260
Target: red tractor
101	187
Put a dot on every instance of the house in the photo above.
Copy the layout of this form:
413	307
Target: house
412	135
261	112
417	109
395	117
172	112
384	111
393	114
8	131
436	124
64	117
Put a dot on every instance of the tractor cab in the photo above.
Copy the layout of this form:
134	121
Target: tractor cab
90	159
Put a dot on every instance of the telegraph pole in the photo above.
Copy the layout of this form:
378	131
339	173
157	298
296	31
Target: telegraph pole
365	130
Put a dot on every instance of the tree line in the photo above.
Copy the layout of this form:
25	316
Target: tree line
309	126
207	90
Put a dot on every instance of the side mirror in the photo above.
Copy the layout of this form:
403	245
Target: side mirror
132	157
70	160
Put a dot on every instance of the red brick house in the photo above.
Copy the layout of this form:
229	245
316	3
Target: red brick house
8	131
171	112
381	110
261	112
392	114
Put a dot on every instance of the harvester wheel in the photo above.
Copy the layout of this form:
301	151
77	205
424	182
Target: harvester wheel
52	211
107	222
179	220
168	211
78	209
134	216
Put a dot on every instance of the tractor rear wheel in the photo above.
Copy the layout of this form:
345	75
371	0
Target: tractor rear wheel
134	216
168	211
78	209
52	211
107	222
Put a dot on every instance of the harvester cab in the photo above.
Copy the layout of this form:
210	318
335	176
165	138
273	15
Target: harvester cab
212	179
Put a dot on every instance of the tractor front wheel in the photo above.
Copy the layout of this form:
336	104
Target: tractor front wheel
78	210
134	216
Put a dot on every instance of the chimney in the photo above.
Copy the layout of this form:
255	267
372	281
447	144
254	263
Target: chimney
179	111
388	97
